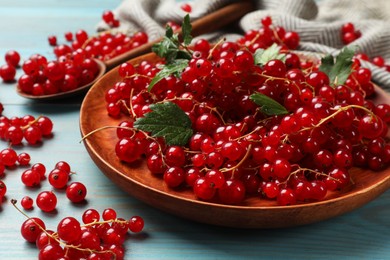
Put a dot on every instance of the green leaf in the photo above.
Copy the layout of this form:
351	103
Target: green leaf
166	120
168	31
175	67
268	106
186	29
262	56
170	47
175	54
166	48
338	69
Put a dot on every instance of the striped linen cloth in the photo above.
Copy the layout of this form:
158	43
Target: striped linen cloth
317	22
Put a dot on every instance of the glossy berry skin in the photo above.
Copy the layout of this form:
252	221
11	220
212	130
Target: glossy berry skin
186	7
8	156
204	189
128	150
31	228
33	134
232	192
46	201
46	125
76	192
24	159
27	202
286	197
63	166
30	178
51	251
45	238
7	73
52	40
40	169
12	58
58	178
69	229
108	16
90	215
135	224
109	214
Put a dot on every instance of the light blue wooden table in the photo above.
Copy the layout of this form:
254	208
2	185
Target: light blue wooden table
24	26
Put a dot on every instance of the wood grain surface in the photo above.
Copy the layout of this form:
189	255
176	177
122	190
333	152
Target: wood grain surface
24	25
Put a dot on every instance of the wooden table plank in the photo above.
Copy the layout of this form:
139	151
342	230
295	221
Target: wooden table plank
24	26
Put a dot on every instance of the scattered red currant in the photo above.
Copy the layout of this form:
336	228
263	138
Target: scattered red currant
46	201
76	192
27	202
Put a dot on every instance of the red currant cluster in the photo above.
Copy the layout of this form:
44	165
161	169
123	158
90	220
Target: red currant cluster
269	34
47	200
377	60
9	158
237	149
67	73
104	46
58	179
349	33
95	239
13	130
109	19
29	128
8	71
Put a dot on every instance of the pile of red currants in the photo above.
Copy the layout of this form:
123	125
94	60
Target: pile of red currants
94	239
237	149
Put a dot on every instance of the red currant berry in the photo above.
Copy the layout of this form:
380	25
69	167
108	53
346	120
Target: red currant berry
58	178
24	159
40	169
51	251
7	73
232	192
109	214
90	215
174	176
69	229
45	238
52	40
31	228
30	178
27	202
108	16
204	189
46	201
46	125
12	58
286	196
135	224
76	192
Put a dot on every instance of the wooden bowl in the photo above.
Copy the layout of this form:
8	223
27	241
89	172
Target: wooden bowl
226	15
253	213
61	95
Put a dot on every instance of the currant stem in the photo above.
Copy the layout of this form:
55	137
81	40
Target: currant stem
67	246
31	123
97	130
240	162
339	110
272	78
131	103
215	46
